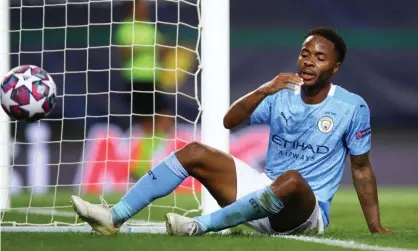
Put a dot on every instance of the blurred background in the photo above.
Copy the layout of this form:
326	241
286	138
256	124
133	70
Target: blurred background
76	43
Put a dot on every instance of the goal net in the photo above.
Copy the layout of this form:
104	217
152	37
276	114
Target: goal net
103	135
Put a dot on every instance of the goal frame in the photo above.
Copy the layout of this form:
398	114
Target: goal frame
5	170
215	100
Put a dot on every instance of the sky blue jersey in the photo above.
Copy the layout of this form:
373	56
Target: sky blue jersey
314	139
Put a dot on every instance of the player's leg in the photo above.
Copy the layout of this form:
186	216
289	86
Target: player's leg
213	168
262	209
298	198
287	202
217	172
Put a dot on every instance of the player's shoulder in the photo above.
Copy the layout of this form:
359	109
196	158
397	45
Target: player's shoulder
349	98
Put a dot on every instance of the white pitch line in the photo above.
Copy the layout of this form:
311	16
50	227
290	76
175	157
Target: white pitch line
325	241
343	243
42	211
63	213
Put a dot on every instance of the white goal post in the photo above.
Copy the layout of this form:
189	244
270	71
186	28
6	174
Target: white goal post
212	72
215	80
5	174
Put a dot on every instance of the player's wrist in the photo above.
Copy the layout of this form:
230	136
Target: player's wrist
262	91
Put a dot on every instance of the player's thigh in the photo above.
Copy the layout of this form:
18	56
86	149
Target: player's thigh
213	168
298	199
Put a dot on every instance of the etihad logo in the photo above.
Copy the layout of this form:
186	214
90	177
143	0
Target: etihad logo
298	149
298	145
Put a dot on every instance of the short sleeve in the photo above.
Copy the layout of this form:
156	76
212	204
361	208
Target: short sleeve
359	134
262	114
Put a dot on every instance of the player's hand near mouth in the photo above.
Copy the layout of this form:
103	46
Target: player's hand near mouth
282	81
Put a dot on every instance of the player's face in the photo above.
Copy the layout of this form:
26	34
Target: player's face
317	60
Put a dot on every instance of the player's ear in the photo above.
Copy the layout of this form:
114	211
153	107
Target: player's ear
336	67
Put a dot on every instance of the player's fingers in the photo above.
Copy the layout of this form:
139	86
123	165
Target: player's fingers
288	74
284	79
291	87
295	80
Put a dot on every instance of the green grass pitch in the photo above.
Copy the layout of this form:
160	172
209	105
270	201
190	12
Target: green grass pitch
399	211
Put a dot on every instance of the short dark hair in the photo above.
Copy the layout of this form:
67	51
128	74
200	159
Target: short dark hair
332	36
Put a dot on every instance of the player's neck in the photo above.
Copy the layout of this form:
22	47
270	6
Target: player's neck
315	94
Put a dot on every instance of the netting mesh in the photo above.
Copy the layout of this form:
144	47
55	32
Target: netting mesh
112	121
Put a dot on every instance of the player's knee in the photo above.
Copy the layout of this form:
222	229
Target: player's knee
289	183
196	150
294	180
292	175
194	153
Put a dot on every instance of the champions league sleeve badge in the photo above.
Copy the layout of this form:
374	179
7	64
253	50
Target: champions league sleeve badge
363	133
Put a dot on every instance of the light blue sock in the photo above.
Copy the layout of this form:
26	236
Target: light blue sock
256	205
160	181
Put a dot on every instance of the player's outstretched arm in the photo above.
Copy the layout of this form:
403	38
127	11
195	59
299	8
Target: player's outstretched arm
365	184
241	109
